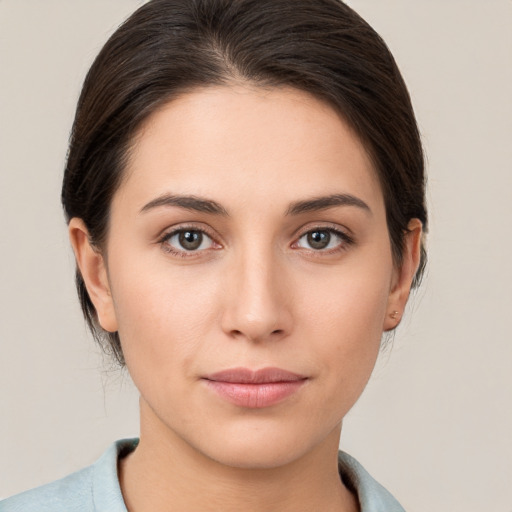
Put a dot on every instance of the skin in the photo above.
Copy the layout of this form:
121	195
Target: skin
255	294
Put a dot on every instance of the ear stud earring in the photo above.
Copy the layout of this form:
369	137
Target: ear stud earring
394	315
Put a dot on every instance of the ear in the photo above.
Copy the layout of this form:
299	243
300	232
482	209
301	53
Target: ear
403	276
92	267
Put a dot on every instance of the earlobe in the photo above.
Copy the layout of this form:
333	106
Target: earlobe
402	281
92	267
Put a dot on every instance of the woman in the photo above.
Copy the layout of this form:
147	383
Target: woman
245	198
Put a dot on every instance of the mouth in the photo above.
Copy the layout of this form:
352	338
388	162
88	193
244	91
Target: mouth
255	389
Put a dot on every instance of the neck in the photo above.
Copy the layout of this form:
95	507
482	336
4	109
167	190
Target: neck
166	473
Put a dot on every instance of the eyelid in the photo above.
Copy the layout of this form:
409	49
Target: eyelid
344	233
326	226
169	232
347	239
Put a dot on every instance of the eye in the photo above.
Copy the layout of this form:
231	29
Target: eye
187	240
323	239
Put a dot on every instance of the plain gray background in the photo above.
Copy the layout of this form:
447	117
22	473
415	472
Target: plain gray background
435	424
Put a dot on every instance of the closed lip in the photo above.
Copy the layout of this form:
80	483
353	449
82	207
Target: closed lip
254	389
248	376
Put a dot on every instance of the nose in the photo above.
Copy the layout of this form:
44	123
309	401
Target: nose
257	303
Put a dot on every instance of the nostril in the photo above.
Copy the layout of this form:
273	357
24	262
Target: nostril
257	336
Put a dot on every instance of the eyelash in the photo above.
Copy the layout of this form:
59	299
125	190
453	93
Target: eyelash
167	248
345	241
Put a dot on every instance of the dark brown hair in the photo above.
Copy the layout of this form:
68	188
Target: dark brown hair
168	47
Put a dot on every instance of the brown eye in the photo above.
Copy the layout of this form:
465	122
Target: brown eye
188	240
318	239
323	239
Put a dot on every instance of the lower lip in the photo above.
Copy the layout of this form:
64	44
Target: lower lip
255	396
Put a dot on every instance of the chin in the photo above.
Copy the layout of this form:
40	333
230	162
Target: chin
261	456
262	448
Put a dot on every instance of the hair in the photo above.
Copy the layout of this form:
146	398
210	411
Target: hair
169	47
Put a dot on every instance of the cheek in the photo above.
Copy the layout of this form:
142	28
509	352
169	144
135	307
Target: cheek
344	321
350	301
164	317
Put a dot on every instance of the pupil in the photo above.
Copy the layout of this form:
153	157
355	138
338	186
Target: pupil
190	240
319	239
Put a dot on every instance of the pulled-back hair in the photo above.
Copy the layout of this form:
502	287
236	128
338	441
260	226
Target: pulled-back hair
169	47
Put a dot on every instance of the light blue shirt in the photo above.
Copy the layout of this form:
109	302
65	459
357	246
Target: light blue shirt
96	488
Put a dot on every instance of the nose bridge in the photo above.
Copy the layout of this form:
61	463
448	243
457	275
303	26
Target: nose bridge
257	307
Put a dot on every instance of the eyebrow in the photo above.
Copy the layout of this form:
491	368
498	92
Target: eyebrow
325	202
193	203
199	204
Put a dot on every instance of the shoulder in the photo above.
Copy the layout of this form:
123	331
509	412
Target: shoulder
95	487
73	493
373	497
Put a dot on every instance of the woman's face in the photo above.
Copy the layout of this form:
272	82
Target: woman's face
249	234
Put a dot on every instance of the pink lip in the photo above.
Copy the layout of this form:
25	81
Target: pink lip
254	389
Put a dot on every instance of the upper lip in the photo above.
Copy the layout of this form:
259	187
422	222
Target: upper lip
248	376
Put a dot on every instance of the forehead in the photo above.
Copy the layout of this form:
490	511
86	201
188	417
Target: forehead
244	141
